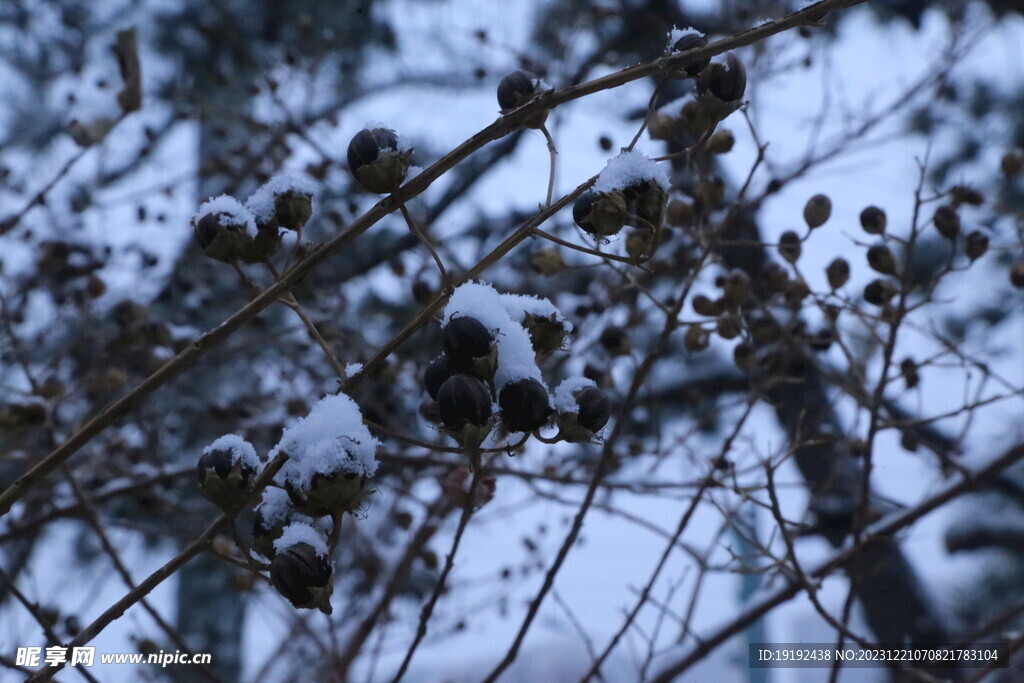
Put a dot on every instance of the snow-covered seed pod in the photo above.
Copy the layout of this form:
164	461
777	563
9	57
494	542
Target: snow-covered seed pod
601	214
226	471
872	220
726	81
817	211
301	570
583	409
525	405
275	512
469	346
691	41
464	404
282	202
224	229
378	160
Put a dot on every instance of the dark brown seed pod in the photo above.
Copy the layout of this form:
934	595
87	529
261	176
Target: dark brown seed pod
873	220
879	292
1017	275
525	405
817	211
462	400
703	305
881	259
600	213
789	246
696	339
725	80
517	88
838	272
691	41
947	221
976	245
437	372
377	160
304	576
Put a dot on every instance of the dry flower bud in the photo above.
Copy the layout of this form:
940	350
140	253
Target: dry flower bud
817	211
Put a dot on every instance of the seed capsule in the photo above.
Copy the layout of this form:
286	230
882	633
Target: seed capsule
437	372
721	142
226	470
872	220
976	245
377	160
947	221
303	575
469	346
464	404
881	260
838	273
817	211
601	214
696	339
691	41
592	410
516	89
703	305
1017	275
525	405
615	341
727	81
879	292
1012	162
789	246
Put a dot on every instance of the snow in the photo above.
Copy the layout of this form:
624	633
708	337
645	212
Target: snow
631	168
353	369
261	202
403	144
332	438
275	506
565	401
516	359
300	532
519	305
231	211
240	449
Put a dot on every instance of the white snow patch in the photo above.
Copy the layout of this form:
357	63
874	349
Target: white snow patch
519	305
631	168
240	449
675	34
332	438
565	400
231	211
275	506
516	358
403	144
261	202
353	369
301	532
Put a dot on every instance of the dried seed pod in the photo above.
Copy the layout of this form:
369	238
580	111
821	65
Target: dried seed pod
775	276
838	272
879	292
464	405
735	287
817	211
696	118
881	259
547	261
679	213
696	339
964	194
743	356
728	327
721	142
873	220
525	405
224	229
601	214
226	470
275	512
764	328
947	221
710	191
1017	275
795	294
705	306
378	160
662	126
436	374
303	574
469	346
976	245
789	246
615	341
726	81
518	88
691	41
583	413
1012	162
547	333
911	376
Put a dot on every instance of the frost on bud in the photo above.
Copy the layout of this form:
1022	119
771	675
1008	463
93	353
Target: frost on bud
838	273
872	220
881	260
458	482
976	245
378	160
517	89
469	347
721	142
1013	162
224	229
1017	275
947	221
600	213
789	246
583	409
879	292
226	470
691	41
301	570
437	372
817	211
464	404
721	86
525	405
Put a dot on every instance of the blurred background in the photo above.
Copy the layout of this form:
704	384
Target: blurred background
102	282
